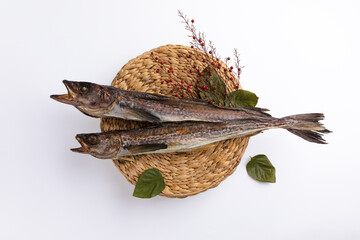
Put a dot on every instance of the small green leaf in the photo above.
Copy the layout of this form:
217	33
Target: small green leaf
214	87
150	184
242	98
261	169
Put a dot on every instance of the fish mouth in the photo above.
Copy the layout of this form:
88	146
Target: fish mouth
67	98
83	148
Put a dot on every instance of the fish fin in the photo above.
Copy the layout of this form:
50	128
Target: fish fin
140	114
307	126
255	109
309	135
145	148
312	117
308	121
262	111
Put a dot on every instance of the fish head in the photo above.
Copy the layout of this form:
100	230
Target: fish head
99	145
89	98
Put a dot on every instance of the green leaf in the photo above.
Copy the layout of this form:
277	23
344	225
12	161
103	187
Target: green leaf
242	98
214	87
150	184
261	169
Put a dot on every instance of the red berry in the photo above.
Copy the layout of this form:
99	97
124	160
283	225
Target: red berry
194	37
157	70
157	58
190	85
214	88
201	74
162	82
235	105
182	81
178	88
192	46
175	84
207	88
231	67
182	95
239	69
189	55
176	95
190	71
228	58
192	21
203	87
161	62
171	68
210	52
211	102
194	66
198	80
172	91
200	40
207	79
170	80
169	71
210	73
206	95
152	53
231	79
213	63
202	44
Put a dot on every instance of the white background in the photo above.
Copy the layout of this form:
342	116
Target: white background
299	56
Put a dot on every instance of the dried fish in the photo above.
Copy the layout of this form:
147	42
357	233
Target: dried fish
185	136
107	101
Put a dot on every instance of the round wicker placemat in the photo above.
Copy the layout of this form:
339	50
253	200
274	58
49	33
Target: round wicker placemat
188	173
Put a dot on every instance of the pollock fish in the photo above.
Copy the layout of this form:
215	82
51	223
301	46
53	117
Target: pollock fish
107	101
186	136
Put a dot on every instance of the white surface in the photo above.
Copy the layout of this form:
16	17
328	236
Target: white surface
299	56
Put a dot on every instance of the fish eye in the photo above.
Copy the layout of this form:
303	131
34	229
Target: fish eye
84	87
92	139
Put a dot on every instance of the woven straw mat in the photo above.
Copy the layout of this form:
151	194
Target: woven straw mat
186	173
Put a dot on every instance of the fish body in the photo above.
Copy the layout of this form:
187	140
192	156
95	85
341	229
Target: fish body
186	136
107	101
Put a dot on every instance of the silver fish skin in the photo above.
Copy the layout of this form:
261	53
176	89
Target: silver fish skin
186	136
107	101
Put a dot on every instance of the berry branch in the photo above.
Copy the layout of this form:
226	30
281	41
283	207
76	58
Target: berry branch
208	84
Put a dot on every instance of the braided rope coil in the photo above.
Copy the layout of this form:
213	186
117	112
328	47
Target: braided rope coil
186	173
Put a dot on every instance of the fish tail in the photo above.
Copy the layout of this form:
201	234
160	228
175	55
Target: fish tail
307	126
